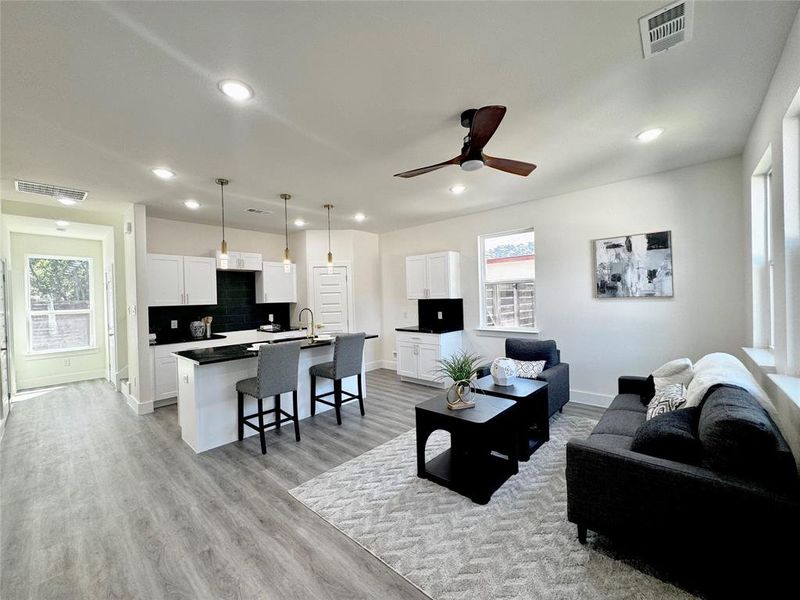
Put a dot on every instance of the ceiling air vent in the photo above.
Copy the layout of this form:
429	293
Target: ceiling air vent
258	211
666	27
54	191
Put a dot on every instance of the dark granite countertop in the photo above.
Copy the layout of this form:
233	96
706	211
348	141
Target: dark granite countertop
185	338
418	329
218	354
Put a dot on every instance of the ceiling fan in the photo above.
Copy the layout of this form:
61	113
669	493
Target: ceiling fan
482	123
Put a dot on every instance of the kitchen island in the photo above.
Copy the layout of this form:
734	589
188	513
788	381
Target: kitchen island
207	401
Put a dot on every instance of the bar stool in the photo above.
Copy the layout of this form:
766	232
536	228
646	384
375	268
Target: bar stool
348	352
277	373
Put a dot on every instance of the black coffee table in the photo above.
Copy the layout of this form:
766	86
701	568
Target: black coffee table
473	465
531	395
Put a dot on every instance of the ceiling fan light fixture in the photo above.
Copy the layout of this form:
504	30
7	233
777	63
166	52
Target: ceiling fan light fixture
472	165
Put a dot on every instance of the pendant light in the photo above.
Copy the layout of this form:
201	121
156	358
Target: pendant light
223	247
330	254
287	264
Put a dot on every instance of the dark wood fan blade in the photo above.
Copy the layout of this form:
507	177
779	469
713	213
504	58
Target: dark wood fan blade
484	123
509	166
423	170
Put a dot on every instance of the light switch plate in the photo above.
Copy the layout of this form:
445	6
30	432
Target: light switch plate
173	324
439	315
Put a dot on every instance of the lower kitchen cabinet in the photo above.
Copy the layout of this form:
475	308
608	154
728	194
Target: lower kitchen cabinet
418	354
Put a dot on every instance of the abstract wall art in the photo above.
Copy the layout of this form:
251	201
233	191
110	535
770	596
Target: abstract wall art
634	266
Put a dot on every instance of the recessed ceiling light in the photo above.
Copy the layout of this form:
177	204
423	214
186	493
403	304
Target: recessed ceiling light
359	217
193	204
163	172
237	90
62	223
458	188
67	201
299	222
649	134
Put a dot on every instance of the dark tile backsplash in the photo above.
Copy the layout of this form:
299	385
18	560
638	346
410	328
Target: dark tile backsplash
235	310
452	312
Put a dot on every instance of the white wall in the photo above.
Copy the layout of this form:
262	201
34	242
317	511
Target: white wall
165	236
603	339
767	133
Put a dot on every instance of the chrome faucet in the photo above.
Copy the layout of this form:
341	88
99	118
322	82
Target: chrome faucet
309	331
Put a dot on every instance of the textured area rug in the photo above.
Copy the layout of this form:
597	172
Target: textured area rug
520	545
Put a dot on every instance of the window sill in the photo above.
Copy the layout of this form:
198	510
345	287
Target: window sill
788	385
57	353
504	331
763	358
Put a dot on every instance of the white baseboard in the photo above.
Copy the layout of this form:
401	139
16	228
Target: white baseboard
389	364
3	426
375	364
590	398
139	408
61	378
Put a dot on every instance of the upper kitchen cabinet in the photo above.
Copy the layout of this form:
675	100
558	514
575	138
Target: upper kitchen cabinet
436	275
274	284
239	261
174	280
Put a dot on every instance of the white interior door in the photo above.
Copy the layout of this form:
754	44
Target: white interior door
111	326
331	302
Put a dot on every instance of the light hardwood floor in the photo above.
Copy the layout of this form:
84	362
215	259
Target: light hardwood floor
99	503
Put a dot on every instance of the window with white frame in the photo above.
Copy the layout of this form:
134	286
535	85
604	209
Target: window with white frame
769	234
60	303
508	280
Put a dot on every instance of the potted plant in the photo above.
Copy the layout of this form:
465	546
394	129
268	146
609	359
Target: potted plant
461	368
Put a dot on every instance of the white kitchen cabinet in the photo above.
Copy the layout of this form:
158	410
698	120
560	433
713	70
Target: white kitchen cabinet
164	279
419	355
274	284
239	261
199	280
166	377
174	280
436	275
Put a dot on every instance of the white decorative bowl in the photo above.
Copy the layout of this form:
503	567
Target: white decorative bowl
504	371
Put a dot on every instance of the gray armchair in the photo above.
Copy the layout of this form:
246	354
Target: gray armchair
556	373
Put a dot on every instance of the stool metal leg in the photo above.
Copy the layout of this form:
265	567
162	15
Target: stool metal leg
360	396
278	413
337	395
240	398
313	395
261	426
296	419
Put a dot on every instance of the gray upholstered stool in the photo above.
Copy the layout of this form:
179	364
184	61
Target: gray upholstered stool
277	373
348	352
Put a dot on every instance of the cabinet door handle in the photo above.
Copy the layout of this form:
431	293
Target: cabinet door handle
187	297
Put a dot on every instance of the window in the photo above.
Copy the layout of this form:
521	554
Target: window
507	275
59	291
770	259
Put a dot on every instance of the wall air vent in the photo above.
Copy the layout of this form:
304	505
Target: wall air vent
666	27
54	191
258	211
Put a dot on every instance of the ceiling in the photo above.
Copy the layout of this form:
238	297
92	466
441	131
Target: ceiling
94	95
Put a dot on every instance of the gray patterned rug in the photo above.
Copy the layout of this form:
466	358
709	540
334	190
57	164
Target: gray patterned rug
520	545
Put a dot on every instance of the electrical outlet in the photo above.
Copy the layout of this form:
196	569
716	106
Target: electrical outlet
67	362
270	318
439	315
394	353
173	324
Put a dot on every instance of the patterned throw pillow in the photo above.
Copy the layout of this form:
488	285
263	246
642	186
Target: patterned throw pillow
529	369
668	398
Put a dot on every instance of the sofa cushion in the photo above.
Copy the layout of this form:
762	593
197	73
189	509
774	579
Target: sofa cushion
619	422
739	437
649	389
675	371
668	398
529	369
628	402
671	435
622	442
522	349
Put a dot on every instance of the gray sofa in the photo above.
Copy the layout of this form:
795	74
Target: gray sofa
556	373
735	503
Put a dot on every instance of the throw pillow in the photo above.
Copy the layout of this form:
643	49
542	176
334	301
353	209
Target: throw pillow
671	435
529	369
667	399
675	371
